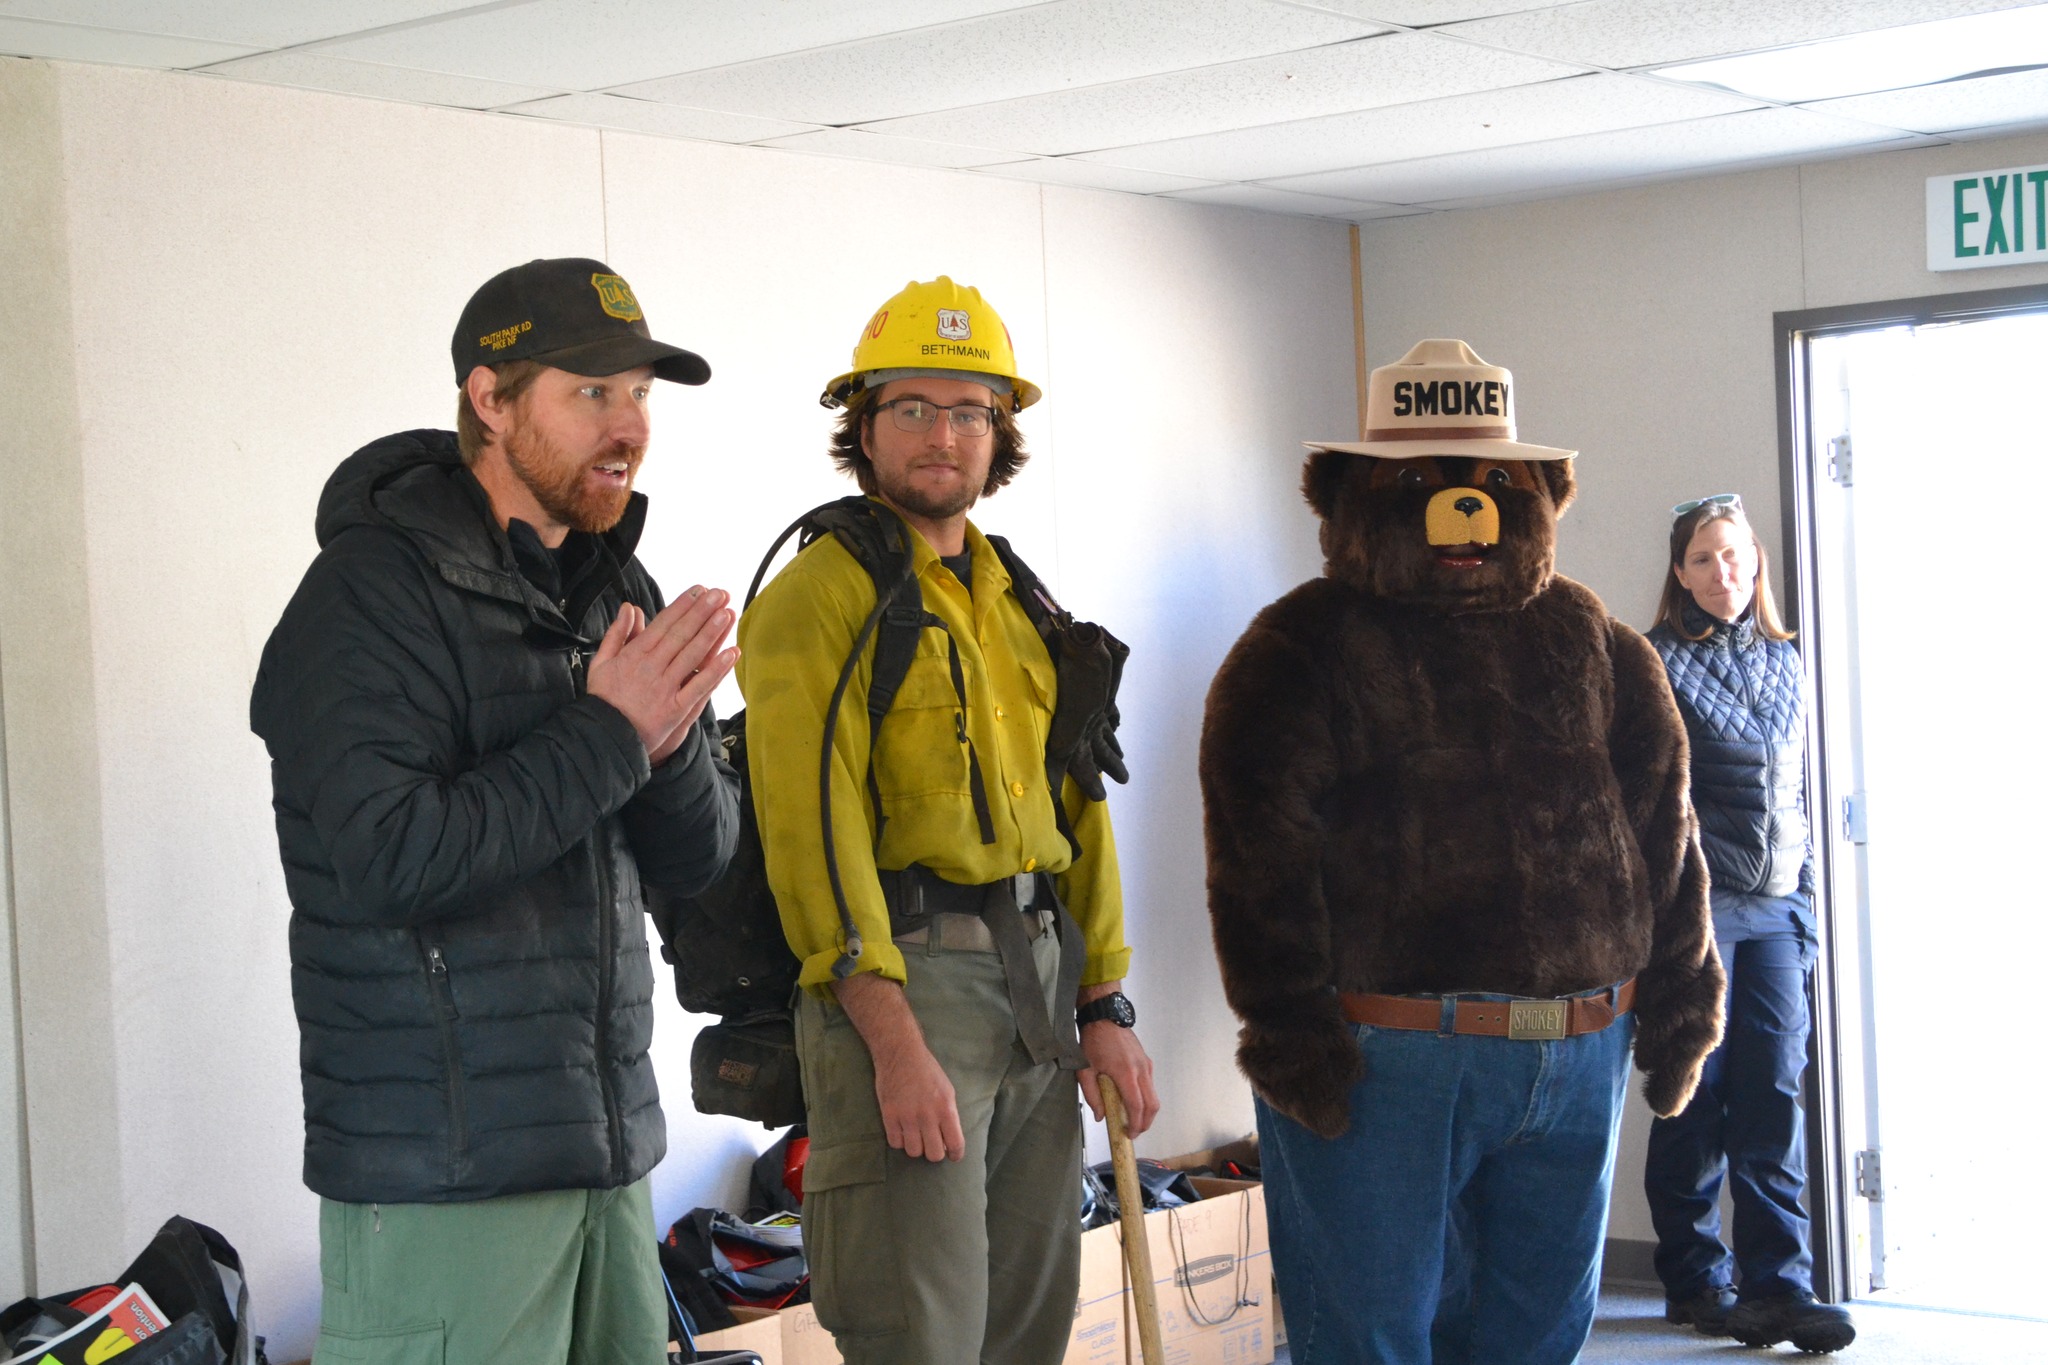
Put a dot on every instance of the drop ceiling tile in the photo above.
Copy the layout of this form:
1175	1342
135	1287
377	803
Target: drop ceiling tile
663	120
317	71
1694	146
851	142
1525	113
1986	102
1629	33
250	23
1368	73
1089	175
592	44
1267	199
74	43
1419	13
1058	46
1986	134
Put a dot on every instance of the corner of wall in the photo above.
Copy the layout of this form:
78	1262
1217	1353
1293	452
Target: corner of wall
69	1174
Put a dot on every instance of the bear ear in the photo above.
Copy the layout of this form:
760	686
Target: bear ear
1563	485
1322	477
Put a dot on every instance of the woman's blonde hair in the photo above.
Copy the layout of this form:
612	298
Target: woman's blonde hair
1671	607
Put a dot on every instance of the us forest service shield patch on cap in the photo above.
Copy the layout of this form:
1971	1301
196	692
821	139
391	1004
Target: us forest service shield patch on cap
615	296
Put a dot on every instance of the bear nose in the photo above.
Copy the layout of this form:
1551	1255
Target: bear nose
1471	507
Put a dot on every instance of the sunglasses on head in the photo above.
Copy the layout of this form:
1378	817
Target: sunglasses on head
1711	500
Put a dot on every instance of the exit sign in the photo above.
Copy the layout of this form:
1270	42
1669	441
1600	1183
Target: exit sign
1987	218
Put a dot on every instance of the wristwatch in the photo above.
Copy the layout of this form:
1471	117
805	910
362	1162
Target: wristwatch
1114	1008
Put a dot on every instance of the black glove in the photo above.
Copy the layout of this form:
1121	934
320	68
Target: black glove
1083	740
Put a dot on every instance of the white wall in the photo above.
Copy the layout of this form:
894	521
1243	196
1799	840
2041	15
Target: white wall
222	289
1638	324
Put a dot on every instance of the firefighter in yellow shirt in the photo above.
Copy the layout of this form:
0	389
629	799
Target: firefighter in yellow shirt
942	1190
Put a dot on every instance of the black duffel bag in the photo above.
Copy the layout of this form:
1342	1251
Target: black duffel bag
195	1279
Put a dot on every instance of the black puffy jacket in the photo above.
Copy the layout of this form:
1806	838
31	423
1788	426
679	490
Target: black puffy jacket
1743	698
464	832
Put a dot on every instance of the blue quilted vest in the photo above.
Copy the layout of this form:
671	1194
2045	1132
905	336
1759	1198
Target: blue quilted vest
1743	699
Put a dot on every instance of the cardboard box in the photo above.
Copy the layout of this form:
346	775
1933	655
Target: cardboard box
1211	1274
759	1331
1098	1336
804	1339
1244	1151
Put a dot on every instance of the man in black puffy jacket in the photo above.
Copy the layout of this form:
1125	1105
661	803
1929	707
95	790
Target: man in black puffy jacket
485	732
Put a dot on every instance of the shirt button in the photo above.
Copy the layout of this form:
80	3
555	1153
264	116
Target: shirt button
999	713
1031	864
1016	789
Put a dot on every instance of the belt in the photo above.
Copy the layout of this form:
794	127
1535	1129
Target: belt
953	932
1007	915
917	891
1524	1020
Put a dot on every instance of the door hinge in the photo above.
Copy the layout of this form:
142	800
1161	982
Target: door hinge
1869	1177
1841	461
1856	818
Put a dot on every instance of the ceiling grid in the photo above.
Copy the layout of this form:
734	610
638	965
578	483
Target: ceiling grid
1345	109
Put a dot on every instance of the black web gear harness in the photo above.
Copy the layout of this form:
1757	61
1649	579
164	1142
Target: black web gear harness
726	943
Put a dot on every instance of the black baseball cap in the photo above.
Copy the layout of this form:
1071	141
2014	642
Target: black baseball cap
571	313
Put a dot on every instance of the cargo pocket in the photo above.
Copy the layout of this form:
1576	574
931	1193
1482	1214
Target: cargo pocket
420	1344
849	1236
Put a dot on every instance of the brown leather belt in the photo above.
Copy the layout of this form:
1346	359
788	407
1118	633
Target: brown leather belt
1523	1020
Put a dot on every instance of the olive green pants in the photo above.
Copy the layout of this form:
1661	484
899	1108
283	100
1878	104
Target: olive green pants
916	1262
564	1277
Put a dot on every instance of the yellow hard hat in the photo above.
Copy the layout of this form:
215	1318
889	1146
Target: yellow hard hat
937	325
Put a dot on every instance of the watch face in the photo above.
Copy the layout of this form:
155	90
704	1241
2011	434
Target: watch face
1110	1009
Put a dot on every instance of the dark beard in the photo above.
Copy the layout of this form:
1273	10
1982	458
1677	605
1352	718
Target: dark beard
557	484
921	504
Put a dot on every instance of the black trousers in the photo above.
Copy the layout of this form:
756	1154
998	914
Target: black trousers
1745	1125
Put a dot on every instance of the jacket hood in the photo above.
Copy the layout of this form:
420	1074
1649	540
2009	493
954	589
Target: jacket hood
415	482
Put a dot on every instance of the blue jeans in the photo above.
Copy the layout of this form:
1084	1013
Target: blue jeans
1744	1124
1461	1217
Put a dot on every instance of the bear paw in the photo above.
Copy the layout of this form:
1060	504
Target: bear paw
1305	1070
1678	1022
1669	1090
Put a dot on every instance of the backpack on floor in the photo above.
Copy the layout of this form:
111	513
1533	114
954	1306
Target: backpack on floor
190	1275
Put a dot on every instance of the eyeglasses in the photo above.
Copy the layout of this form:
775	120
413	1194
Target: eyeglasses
1733	500
915	414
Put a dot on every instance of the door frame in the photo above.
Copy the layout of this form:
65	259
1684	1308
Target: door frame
1830	1182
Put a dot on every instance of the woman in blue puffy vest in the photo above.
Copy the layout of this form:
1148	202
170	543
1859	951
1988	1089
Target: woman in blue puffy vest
1741	689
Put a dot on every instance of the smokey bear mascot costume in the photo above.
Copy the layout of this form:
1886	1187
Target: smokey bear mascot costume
1453	874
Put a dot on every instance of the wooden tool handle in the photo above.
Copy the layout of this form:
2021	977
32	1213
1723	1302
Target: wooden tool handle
1130	1197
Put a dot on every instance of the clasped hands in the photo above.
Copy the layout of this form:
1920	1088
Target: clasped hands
659	673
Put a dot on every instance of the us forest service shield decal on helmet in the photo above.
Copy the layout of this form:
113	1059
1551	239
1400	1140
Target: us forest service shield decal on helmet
953	324
615	296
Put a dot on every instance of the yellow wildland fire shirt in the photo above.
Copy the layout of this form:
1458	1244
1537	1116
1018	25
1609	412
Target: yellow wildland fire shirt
793	641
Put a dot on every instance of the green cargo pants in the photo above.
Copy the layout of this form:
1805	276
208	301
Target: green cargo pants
916	1262
527	1279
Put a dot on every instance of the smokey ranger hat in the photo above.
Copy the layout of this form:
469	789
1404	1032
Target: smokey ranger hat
571	313
1441	399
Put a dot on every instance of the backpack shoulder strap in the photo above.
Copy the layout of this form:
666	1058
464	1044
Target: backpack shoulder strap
875	537
1046	615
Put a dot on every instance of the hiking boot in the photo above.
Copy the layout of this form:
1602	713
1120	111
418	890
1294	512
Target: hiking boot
1809	1326
1707	1310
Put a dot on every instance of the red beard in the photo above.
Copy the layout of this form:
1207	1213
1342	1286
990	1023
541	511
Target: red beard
564	486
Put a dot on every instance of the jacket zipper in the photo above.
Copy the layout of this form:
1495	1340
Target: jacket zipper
579	671
1772	756
445	1013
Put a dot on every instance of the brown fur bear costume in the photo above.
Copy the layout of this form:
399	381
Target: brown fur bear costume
1442	768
